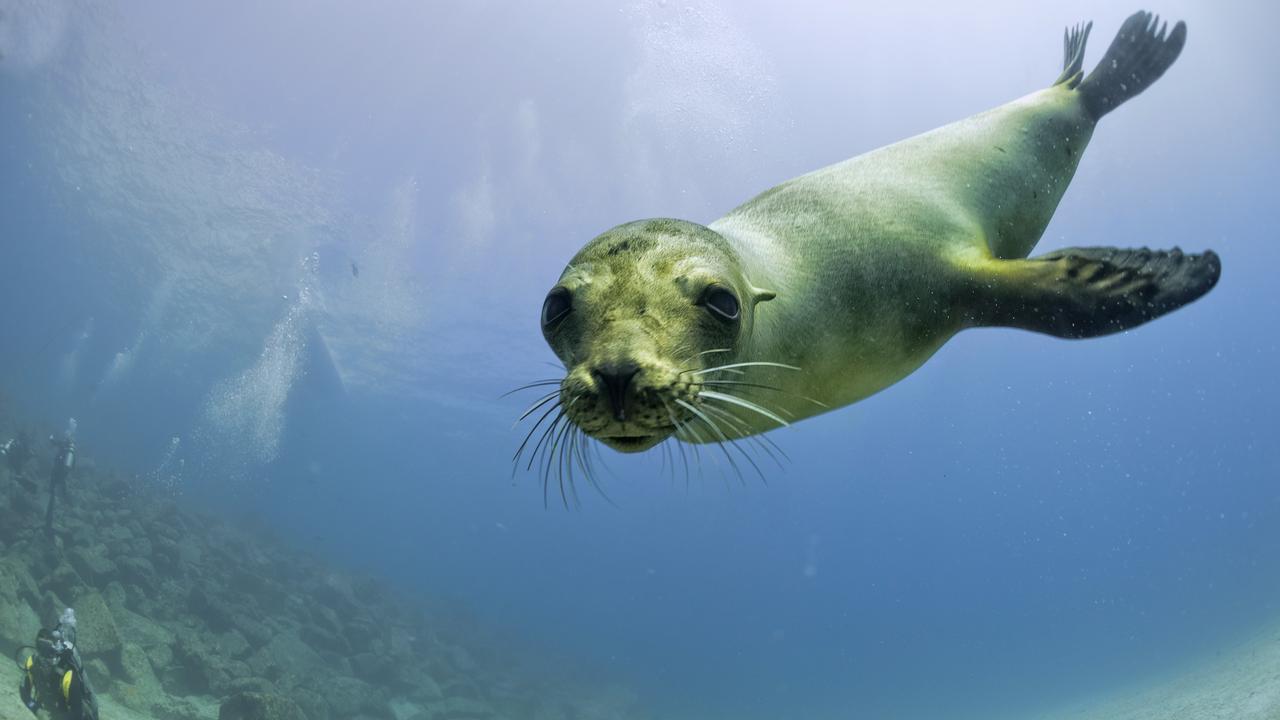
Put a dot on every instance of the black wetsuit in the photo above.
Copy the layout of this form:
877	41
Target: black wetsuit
53	680
63	463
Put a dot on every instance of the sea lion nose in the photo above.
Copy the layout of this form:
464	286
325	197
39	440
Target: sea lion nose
616	377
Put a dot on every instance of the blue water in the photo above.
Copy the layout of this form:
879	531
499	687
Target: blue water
1023	521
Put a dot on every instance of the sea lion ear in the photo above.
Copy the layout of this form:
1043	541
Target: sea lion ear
759	295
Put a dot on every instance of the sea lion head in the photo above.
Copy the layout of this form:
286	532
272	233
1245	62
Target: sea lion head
636	314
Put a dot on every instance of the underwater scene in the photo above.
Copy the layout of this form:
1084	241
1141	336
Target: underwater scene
639	360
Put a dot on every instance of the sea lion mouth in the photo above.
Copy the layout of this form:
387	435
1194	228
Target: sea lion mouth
634	443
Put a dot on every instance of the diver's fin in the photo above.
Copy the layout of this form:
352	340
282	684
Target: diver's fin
1087	292
1137	57
1073	42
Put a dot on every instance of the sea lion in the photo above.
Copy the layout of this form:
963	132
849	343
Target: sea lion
837	284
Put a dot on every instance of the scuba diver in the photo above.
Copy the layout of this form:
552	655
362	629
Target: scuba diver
53	678
16	454
63	462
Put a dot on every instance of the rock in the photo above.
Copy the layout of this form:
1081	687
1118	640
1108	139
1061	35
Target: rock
458	708
249	684
335	591
320	638
99	675
312	705
50	608
115	534
231	643
326	619
139	629
176	708
368	666
96	631
140	547
189	552
63	580
138	689
286	653
138	571
205	603
462	661
348	697
205	669
136	599
253	630
402	709
92	562
19	623
136	666
417	681
115	595
362	635
259	706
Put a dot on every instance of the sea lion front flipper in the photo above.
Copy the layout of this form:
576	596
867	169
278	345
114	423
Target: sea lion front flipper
1087	292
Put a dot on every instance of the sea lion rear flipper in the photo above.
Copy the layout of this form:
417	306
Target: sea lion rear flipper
1138	56
1087	292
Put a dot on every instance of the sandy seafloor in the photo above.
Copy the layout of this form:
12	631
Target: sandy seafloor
1239	683
1242	683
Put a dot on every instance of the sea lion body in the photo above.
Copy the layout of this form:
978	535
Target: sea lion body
837	284
867	256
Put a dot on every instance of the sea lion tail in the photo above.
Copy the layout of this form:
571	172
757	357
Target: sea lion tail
1073	42
1087	292
1137	57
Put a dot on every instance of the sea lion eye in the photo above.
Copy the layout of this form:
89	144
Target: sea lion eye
558	304
721	302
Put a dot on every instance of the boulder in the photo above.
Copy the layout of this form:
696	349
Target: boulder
140	572
458	708
259	706
140	629
249	684
99	675
92	562
231	643
63	580
137	688
286	653
402	709
348	697
205	602
96	631
204	668
19	623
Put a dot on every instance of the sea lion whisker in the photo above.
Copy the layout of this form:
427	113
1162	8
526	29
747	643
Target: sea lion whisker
689	364
698	440
679	445
759	363
566	463
720	441
735	400
534	407
516	458
743	383
588	470
540	448
684	460
723	440
550	454
529	386
764	442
